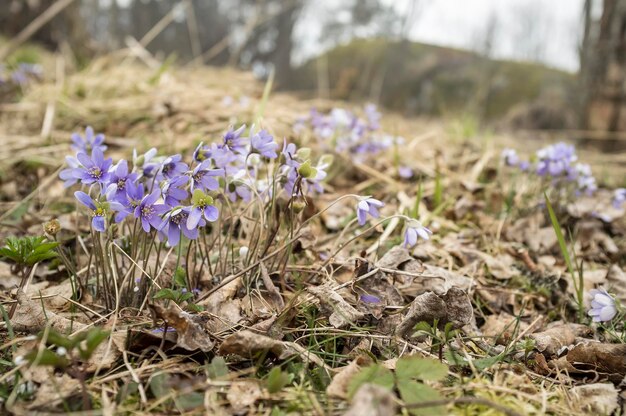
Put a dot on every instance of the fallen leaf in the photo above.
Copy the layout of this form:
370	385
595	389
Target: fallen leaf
243	393
600	357
372	400
341	312
454	307
31	317
190	329
597	398
248	344
338	387
557	336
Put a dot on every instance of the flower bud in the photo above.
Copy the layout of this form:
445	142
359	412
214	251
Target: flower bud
52	227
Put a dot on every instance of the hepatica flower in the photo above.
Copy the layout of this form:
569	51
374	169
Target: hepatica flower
510	157
94	169
148	211
603	306
173	166
89	142
234	141
264	143
174	223
202	207
413	232
203	177
556	163
365	206
174	190
98	210
619	197
120	176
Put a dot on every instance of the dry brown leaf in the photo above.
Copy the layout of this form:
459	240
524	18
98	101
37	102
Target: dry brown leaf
191	330
341	312
30	317
243	394
559	335
372	400
502	328
248	344
338	387
420	278
600	357
597	398
454	307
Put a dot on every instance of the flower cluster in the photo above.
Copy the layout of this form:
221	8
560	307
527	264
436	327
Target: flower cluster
345	131
21	75
173	198
558	163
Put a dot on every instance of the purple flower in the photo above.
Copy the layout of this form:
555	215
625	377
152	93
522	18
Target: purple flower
373	116
619	197
414	230
202	207
94	169
126	204
120	176
67	175
556	160
237	189
174	223
173	166
584	179
89	142
98	210
148	211
510	157
370	299
264	143
173	191
203	177
234	141
603	306
366	206
405	172
289	152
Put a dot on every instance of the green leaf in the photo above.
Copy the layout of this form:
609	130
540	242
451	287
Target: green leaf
375	374
158	385
166	294
217	369
94	338
190	401
59	339
277	379
180	277
413	392
192	307
413	367
46	357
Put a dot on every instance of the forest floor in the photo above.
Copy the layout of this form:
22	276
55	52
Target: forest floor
285	305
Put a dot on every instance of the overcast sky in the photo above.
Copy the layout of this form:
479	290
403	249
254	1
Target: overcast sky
543	30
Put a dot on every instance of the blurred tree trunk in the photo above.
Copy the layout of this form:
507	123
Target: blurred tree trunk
604	71
68	27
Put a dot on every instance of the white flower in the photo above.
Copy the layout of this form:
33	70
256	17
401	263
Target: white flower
603	307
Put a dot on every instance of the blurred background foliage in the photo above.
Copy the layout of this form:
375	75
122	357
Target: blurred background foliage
366	51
